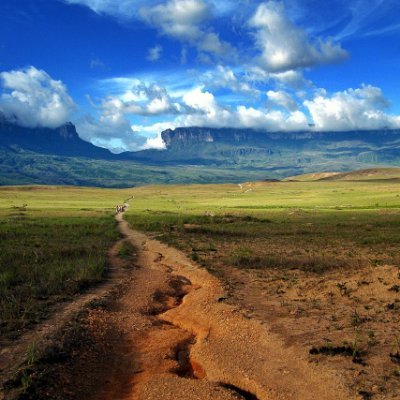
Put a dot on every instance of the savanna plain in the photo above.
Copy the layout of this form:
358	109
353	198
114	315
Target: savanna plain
313	263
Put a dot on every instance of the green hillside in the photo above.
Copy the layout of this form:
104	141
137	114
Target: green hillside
21	167
359	175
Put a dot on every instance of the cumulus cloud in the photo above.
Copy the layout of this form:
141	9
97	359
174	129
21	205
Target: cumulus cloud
362	108
154	53
270	120
142	99
282	99
205	110
201	101
291	78
114	134
177	18
225	77
208	113
32	98
154	141
113	129
285	46
184	20
154	109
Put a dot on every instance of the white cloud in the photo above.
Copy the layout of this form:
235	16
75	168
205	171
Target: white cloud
154	53
291	78
282	99
155	109
270	120
211	114
113	129
177	18
198	107
184	20
141	99
128	8
362	108
376	17
184	54
97	63
287	47
115	134
120	8
200	101
211	43
32	98
225	77
154	141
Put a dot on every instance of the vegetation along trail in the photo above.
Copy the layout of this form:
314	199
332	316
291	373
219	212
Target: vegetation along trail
182	341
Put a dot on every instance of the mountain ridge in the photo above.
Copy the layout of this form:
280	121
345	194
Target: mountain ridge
192	155
225	146
63	141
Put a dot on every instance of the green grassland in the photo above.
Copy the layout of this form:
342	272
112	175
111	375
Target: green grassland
360	175
259	196
47	259
54	240
59	199
53	244
315	226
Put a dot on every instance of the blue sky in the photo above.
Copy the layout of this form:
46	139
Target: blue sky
124	70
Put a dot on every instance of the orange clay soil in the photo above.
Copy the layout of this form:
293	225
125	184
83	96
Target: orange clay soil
172	335
184	342
13	353
330	316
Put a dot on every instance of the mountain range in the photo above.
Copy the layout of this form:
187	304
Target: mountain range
276	150
192	155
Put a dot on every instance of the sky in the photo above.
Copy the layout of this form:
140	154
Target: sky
123	71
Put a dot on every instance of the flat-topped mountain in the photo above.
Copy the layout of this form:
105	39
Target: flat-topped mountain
203	155
292	150
63	140
186	137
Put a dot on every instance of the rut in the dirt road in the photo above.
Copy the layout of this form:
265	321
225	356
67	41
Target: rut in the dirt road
167	335
188	345
187	368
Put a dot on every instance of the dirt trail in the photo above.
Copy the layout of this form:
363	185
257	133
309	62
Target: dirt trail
13	353
171	336
187	343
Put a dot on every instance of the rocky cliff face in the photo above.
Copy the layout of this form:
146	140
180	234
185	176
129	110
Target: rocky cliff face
68	131
231	148
259	149
186	137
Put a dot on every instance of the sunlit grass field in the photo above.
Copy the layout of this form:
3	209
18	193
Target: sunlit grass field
53	244
54	240
314	226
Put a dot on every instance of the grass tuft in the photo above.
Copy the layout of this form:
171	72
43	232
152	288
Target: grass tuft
46	259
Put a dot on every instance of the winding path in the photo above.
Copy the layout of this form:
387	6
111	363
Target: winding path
176	338
188	344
